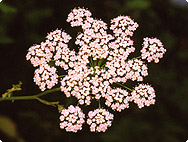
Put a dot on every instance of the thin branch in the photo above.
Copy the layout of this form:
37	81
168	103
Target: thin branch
136	58
30	97
54	104
124	86
62	75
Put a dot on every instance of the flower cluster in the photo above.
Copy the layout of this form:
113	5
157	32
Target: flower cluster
143	95
82	82
46	77
99	120
55	51
99	70
39	54
94	39
116	61
72	119
54	46
123	26
118	99
152	49
77	16
136	70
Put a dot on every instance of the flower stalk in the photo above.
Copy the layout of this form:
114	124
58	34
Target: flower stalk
33	97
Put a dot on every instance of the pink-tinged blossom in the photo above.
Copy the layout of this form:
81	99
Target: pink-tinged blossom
136	70
118	99
99	120
120	70
81	82
121	48
123	26
62	56
72	119
101	61
46	77
55	49
152	49
94	40
143	95
58	36
39	54
77	16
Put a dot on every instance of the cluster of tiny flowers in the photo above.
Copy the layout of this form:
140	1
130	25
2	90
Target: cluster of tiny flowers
50	49
123	26
77	15
152	49
94	39
45	77
136	70
121	48
116	60
76	83
62	55
39	54
54	49
81	82
118	99
132	69
72	119
101	61
99	120
143	95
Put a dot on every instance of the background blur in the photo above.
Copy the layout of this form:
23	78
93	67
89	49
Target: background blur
25	22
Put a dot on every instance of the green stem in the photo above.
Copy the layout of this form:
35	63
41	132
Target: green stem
78	104
124	86
62	75
100	62
91	61
103	65
90	64
99	103
95	63
136	58
54	104
33	97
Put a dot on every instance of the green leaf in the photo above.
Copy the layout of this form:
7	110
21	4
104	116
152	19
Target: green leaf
8	127
37	15
138	4
5	8
6	40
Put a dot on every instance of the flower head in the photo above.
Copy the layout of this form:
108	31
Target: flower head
45	77
152	49
72	119
118	99
102	60
143	95
82	82
123	26
77	16
99	120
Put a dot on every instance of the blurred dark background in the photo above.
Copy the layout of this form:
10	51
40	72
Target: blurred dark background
25	22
